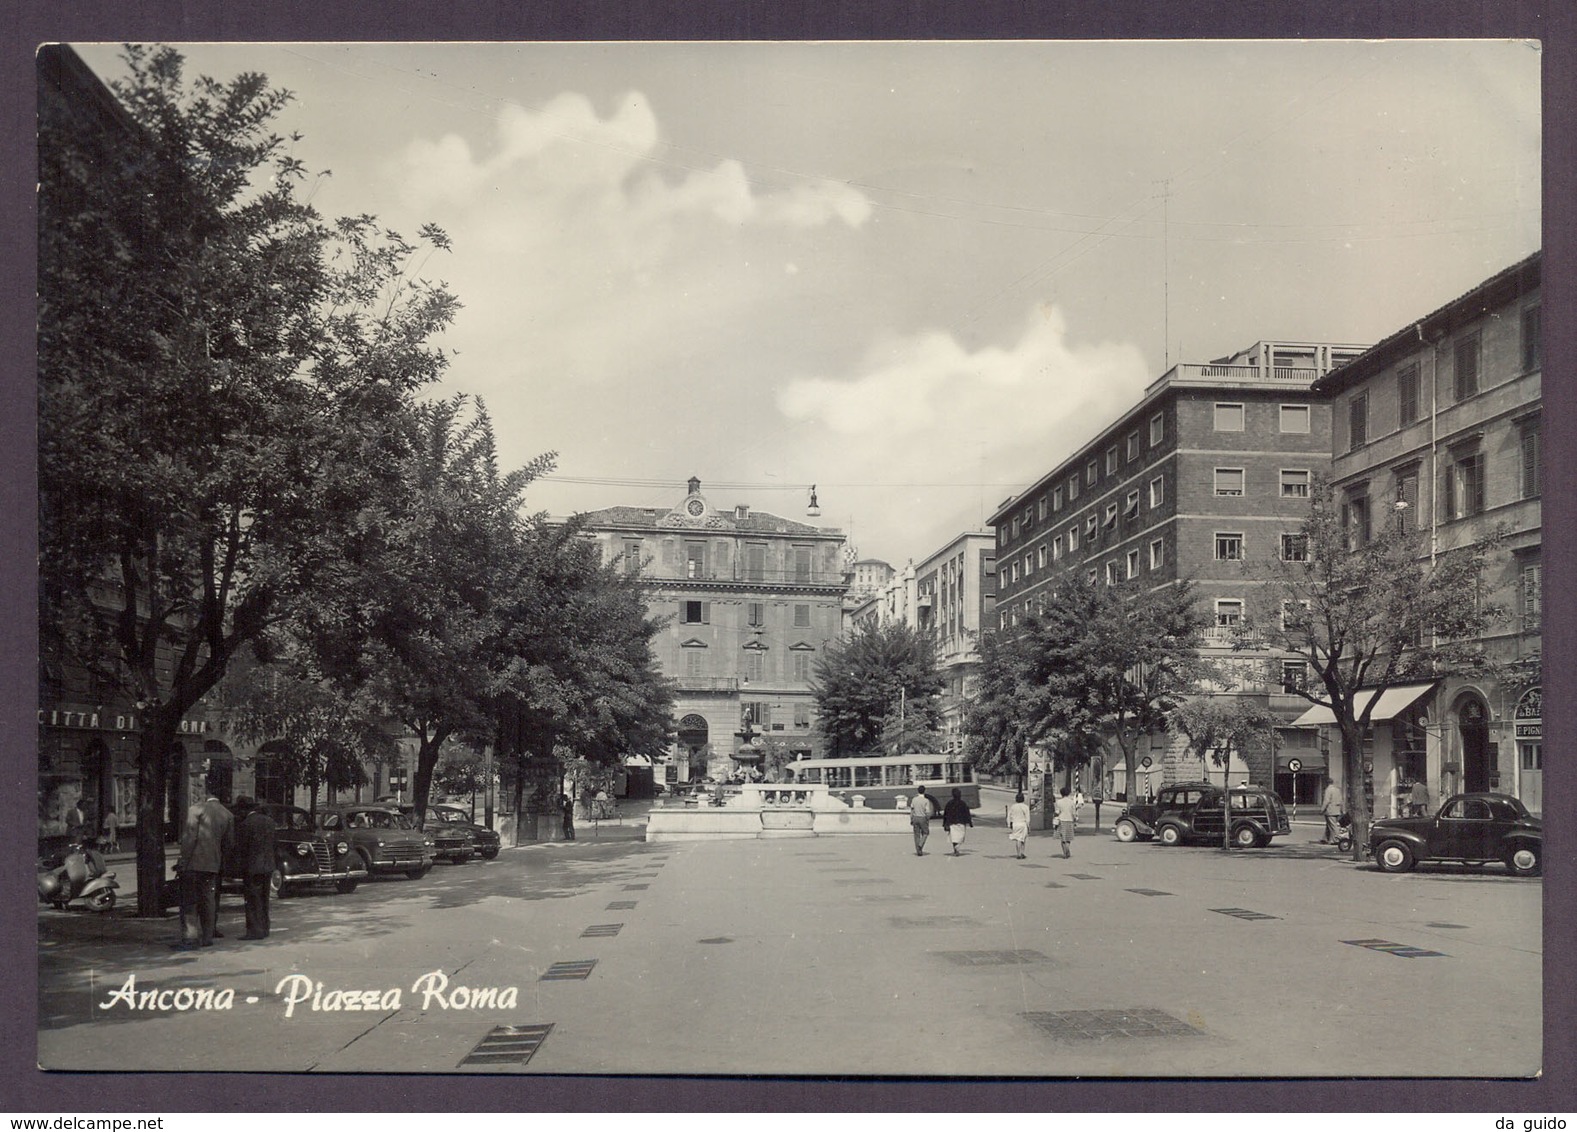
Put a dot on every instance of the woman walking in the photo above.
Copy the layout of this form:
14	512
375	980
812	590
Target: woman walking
956	818
1018	823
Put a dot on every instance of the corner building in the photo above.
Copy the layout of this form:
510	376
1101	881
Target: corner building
1214	464
1440	425
753	600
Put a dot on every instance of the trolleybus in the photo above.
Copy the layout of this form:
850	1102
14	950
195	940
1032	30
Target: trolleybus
882	780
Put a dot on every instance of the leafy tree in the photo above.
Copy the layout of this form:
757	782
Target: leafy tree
1366	615
865	682
1219	726
220	373
996	724
461	770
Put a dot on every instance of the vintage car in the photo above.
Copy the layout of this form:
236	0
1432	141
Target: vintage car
387	841
308	856
1137	820
1199	812
1469	829
487	840
451	842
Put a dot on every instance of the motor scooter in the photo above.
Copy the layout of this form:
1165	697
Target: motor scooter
1344	833
81	876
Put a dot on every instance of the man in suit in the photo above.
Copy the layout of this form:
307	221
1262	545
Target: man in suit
209	837
255	851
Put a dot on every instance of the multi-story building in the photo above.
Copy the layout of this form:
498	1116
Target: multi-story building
1214	464
955	596
752	601
1439	425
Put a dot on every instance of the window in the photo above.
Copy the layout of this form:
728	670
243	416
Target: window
1111	515
1056	498
801	715
1355	520
802	563
1015	526
1229	546
694	612
1157	429
1407	394
755	664
1358	421
1133	564
1073	488
755	713
755	562
1407	499
1294	548
1229	481
801	663
1040	556
1229	416
1294	418
1465	485
1157	491
1040	508
755	614
1229	612
1073	537
1014	572
1090	524
1029	565
1532	332
1131	505
1466	357
695	560
1113	573
1294	674
1091	471
1056	549
1530	461
1294	483
695	661
1133	446
1111	460
1157	554
802	617
1532	596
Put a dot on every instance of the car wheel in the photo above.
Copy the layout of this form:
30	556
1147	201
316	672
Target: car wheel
276	883
1170	835
1524	860
346	887
1126	830
1394	857
489	854
417	874
1245	836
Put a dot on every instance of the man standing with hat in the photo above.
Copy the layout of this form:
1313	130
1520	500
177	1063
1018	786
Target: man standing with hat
255	848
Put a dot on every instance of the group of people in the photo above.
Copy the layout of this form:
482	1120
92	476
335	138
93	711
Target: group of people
212	839
957	820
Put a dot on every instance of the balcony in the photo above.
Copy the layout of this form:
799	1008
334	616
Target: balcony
1232	637
1207	374
706	683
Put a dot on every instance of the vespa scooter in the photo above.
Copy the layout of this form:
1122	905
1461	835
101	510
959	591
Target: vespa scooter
80	876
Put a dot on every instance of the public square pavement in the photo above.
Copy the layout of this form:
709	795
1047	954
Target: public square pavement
838	957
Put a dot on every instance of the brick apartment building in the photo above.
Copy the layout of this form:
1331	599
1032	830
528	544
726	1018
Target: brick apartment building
1214	463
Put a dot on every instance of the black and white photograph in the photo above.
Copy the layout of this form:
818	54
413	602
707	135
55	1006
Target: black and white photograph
957	560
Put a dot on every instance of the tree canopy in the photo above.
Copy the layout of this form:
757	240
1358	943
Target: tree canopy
878	689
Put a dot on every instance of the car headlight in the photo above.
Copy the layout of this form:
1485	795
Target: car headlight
342	847
303	849
430	841
380	843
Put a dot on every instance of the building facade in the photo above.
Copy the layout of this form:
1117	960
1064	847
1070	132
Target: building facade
1439	425
955	596
752	602
1213	466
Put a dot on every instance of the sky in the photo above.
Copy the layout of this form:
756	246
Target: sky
915	275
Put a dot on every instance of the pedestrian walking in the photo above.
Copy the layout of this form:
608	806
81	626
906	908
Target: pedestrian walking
567	808
1066	819
956	818
1418	799
76	820
111	832
921	811
1018	824
209	837
255	850
1331	807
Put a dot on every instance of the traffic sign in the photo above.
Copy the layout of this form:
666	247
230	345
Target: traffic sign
1294	765
1145	762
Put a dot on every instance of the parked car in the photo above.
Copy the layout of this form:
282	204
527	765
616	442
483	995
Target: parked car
386	840
451	842
1137	820
487	840
1469	828
308	856
1197	812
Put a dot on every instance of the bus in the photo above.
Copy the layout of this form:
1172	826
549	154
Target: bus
881	780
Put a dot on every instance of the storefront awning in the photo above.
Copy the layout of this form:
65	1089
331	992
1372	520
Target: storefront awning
1393	702
1308	759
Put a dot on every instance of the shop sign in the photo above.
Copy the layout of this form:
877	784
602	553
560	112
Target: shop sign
91	721
1527	719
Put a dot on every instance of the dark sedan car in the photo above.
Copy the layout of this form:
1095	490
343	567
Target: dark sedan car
487	840
1470	828
453	843
307	856
386	840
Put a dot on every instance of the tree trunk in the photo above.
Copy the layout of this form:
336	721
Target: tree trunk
153	775
426	763
1357	800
